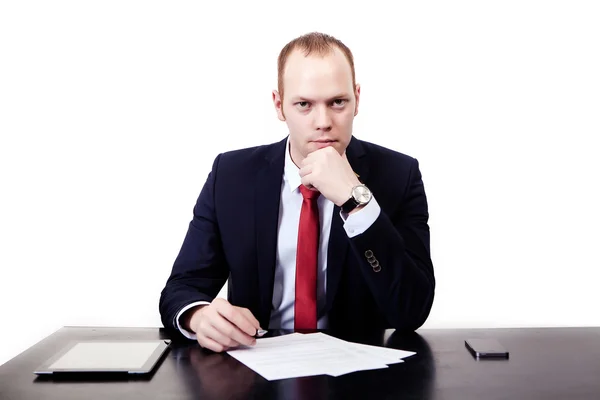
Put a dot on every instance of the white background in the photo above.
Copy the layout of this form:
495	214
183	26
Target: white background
112	112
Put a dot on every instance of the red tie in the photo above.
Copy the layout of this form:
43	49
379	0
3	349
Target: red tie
305	306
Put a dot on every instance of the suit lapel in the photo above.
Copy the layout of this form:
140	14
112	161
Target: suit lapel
337	252
267	198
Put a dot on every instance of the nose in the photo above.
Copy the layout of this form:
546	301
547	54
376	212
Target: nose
322	119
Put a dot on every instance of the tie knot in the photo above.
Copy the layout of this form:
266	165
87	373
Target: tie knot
308	193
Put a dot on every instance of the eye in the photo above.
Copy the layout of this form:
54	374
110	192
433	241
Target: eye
302	104
339	102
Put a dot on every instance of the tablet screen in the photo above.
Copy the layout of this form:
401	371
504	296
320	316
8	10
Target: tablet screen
106	355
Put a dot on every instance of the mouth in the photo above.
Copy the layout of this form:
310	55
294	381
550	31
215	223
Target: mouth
322	143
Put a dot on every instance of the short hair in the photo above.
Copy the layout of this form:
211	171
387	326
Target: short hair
314	42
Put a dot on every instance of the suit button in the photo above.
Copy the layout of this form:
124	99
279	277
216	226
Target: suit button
371	260
376	268
375	264
368	253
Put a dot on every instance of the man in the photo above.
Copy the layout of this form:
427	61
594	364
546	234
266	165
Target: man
320	230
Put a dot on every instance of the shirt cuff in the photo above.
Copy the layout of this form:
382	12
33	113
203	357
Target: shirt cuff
361	220
185	332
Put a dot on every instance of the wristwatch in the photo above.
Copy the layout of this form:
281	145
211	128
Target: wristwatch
360	196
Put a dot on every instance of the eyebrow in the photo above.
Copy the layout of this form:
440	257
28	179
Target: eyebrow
301	98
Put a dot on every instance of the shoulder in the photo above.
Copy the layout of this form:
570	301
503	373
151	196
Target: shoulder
246	158
389	171
384	156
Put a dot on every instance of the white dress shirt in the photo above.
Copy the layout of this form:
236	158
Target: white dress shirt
282	314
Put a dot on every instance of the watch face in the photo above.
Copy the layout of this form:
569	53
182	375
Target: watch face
361	194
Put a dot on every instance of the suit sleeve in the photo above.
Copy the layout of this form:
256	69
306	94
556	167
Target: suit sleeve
200	269
394	258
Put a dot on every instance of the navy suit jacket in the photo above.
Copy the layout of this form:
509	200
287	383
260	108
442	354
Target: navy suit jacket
233	235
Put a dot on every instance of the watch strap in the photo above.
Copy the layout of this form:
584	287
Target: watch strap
349	205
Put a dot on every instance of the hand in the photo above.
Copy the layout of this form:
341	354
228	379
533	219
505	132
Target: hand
330	173
220	325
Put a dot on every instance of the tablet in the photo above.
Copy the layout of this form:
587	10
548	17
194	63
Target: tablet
106	356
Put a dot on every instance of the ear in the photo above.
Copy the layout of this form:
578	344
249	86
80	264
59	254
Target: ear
278	105
357	96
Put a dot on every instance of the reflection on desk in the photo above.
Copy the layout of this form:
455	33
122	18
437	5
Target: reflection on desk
220	376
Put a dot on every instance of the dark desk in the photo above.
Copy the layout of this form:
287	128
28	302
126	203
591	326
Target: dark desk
557	363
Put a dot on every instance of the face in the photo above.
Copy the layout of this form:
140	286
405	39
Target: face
319	103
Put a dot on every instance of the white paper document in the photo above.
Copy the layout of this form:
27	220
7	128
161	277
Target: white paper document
297	355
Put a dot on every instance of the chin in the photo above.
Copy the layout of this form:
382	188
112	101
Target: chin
322	145
312	146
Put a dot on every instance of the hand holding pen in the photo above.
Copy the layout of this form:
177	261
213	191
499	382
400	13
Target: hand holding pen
220	325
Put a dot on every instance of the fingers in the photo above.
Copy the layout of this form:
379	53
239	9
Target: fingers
221	326
306	176
305	170
218	333
248	314
210	344
307	181
237	318
230	335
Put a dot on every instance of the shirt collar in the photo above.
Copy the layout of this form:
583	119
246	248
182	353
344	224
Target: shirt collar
291	173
